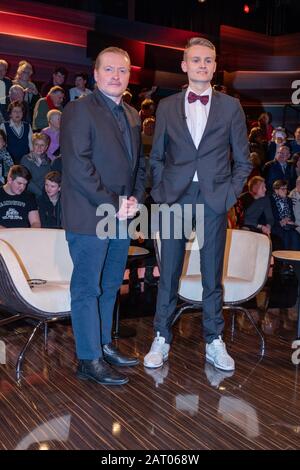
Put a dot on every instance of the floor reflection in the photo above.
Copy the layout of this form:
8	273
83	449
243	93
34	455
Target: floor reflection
240	413
56	429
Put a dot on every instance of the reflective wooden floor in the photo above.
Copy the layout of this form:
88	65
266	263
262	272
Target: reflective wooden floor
186	404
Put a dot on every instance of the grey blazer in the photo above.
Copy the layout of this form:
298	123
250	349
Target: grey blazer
221	160
96	166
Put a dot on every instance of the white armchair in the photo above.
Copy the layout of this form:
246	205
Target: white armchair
35	273
246	266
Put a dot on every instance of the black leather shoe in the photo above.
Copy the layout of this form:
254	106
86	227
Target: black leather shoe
99	371
115	358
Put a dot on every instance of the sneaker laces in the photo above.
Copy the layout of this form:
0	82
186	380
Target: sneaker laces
158	342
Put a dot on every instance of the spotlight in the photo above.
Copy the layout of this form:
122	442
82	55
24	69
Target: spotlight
246	9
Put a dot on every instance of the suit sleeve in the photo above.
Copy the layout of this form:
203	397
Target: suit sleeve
76	140
139	187
157	155
240	149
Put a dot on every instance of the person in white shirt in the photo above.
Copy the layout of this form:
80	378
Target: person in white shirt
80	88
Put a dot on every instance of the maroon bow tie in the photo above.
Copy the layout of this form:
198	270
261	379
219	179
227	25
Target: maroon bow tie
192	97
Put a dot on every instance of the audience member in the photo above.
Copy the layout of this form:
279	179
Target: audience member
147	109
295	197
53	100
18	132
58	79
5	159
295	143
280	169
23	78
37	163
284	235
5	84
254	207
16	93
18	207
80	88
53	118
49	201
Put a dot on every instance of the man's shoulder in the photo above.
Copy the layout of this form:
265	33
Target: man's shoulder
172	99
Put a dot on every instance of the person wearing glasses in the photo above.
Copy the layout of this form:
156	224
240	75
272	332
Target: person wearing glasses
284	233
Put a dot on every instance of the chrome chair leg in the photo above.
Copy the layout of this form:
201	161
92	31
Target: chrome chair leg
22	353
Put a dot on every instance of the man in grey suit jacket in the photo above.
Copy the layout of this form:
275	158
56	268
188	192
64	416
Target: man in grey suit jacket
100	146
196	131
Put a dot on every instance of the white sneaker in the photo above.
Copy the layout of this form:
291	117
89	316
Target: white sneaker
217	355
158	353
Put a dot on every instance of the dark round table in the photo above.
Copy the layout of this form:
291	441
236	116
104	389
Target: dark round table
293	258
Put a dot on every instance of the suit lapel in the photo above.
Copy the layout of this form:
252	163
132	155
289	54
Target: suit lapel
107	114
132	126
182	116
212	116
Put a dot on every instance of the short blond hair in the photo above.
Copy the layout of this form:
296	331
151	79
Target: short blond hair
198	41
51	113
3	62
40	136
112	50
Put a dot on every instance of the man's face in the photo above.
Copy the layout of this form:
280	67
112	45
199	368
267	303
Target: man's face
51	188
17	95
58	78
260	190
112	75
200	65
57	98
39	147
3	71
17	186
80	83
297	134
283	154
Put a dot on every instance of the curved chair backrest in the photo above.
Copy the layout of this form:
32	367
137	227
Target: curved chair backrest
40	250
246	264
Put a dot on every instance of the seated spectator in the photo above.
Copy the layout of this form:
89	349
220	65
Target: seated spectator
49	201
127	96
37	163
5	159
258	144
18	207
53	117
254	208
16	93
279	138
23	78
295	197
147	109
284	234
295	143
58	79
18	132
80	88
264	123
255	160
5	84
296	162
280	169
53	100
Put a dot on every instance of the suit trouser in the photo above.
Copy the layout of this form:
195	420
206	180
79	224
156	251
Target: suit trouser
99	266
211	259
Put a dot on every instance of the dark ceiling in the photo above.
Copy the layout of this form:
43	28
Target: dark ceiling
272	17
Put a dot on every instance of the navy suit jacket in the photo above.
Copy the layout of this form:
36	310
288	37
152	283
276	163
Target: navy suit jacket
221	160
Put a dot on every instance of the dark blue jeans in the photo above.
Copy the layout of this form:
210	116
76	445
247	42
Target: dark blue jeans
97	276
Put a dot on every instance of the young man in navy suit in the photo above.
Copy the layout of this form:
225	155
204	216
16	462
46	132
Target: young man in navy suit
196	132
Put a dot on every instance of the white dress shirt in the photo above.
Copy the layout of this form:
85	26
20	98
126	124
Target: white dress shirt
196	118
